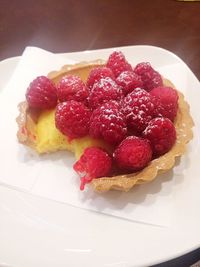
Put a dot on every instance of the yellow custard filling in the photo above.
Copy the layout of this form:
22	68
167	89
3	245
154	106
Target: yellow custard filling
50	139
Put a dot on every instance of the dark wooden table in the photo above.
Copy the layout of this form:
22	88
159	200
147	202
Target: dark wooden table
75	25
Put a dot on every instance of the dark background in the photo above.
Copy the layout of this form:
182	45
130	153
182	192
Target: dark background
75	25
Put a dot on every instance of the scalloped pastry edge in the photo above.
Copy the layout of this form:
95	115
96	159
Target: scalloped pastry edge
183	125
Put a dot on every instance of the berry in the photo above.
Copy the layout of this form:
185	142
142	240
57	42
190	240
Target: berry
41	93
104	90
72	119
97	73
71	87
167	101
150	77
109	123
139	108
94	163
129	80
118	63
133	154
162	135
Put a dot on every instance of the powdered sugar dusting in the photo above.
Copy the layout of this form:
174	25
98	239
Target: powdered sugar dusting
109	123
104	90
139	109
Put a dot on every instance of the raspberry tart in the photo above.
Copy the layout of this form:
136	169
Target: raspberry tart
125	124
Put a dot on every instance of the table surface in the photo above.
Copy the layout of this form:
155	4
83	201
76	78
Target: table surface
68	25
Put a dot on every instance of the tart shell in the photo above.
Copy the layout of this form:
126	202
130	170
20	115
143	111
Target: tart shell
26	134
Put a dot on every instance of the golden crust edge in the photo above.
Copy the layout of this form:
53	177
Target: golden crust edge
67	68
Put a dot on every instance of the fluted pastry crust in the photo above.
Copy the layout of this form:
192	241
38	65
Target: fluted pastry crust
27	120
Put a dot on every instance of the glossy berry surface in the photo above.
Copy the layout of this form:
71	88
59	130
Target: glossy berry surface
72	119
139	108
150	77
71	87
133	154
103	91
167	99
41	93
98	73
118	63
162	135
94	163
129	81
109	123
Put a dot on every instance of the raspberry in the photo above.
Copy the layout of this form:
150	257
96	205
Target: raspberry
118	63
150	77
167	101
162	135
41	93
97	73
103	91
133	154
129	80
71	87
109	123
72	119
139	108
94	163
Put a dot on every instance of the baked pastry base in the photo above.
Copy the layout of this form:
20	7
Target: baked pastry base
27	120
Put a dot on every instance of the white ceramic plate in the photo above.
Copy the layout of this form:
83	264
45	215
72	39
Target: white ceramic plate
39	232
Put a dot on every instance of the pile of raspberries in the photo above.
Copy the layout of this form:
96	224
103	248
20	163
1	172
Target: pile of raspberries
128	107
